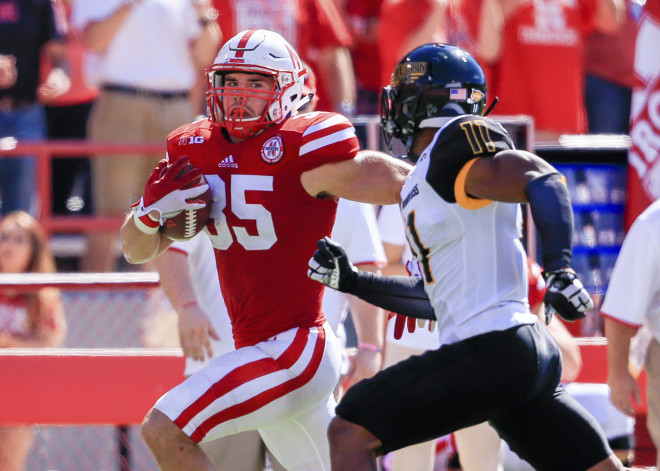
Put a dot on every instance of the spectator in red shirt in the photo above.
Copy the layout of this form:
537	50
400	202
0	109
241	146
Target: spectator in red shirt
406	24
536	50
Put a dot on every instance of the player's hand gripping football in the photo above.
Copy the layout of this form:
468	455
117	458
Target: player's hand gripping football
166	195
565	295
331	267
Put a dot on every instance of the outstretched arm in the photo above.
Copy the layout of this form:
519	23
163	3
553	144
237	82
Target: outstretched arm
401	294
371	177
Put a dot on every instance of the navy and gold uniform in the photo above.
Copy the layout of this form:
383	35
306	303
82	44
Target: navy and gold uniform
496	362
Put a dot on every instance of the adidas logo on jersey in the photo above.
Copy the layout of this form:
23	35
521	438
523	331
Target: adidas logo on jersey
228	162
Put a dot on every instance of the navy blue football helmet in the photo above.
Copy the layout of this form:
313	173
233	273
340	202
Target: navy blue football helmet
430	84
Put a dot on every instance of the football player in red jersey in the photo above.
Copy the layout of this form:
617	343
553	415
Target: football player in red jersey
275	177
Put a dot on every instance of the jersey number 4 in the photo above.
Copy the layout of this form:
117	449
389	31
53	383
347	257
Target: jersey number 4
219	231
416	245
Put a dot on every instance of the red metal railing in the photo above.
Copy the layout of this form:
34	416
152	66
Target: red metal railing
45	151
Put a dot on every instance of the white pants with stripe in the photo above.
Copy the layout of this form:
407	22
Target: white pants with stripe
281	387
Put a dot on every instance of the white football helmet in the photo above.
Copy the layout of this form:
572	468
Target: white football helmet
256	51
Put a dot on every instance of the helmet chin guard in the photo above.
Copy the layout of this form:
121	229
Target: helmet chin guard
255	52
431	84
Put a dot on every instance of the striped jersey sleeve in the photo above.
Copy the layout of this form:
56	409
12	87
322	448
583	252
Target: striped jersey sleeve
328	137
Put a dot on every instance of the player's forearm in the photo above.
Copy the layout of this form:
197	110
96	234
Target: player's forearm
371	177
551	209
618	336
380	178
174	275
401	294
139	247
368	319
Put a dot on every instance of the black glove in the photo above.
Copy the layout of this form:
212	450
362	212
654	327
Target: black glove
565	295
331	267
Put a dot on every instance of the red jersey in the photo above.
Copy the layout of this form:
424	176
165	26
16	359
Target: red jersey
362	17
541	71
463	22
398	21
264	225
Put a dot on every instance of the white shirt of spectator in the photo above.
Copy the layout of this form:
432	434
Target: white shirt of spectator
151	49
633	294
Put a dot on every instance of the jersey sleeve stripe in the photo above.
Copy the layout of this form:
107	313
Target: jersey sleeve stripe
332	121
342	135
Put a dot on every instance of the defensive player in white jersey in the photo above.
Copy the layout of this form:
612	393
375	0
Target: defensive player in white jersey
275	178
463	221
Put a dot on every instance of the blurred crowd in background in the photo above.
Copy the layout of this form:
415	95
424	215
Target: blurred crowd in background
130	71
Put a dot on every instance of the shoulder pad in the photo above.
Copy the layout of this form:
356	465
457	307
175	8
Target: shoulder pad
457	143
324	135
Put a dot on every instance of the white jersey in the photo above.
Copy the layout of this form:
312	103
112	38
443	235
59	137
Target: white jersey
472	260
393	231
633	294
203	272
356	230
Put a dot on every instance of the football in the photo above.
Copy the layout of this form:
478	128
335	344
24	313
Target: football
188	223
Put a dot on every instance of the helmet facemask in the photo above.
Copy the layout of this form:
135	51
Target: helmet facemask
221	97
397	119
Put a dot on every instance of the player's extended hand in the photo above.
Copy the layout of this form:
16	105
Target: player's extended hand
331	267
195	332
565	295
164	192
402	323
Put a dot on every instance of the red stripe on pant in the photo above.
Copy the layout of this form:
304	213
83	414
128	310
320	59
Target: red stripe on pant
249	372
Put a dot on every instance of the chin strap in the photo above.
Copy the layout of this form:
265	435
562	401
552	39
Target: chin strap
492	105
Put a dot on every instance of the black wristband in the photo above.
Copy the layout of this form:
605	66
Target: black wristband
400	294
551	209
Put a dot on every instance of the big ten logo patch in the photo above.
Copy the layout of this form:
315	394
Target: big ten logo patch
273	150
186	140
